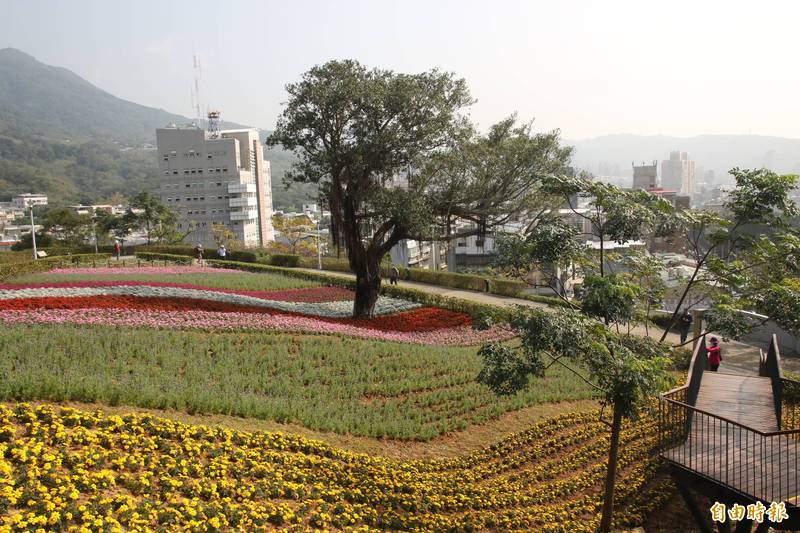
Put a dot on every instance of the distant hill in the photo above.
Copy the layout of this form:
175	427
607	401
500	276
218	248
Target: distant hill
56	103
62	136
613	154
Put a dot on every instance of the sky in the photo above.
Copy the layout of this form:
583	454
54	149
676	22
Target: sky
588	68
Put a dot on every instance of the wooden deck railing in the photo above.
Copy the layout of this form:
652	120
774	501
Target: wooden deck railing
761	465
758	464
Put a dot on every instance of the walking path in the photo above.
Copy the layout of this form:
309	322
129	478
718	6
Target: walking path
738	358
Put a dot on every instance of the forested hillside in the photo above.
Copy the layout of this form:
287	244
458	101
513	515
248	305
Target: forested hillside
62	136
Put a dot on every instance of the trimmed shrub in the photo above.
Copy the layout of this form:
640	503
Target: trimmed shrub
176	249
243	256
506	287
173	258
284	260
14	270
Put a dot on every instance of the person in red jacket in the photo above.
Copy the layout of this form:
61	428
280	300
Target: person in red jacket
714	354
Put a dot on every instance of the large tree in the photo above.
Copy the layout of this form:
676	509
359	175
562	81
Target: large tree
394	158
148	214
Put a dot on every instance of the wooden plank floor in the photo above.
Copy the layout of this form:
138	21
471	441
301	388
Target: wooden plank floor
767	468
743	399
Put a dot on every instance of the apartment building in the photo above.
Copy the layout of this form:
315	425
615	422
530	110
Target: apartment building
215	176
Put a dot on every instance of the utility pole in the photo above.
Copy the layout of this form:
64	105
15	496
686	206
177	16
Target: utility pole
94	230
33	235
319	250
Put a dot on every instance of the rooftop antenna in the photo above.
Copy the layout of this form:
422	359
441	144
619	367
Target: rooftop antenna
196	106
213	124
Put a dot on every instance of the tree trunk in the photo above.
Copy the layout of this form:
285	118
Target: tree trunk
368	287
611	472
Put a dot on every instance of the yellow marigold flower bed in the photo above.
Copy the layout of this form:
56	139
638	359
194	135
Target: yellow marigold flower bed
71	470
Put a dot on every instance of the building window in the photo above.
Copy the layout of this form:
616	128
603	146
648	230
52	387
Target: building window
209	156
219	184
188	185
224	169
175	172
479	243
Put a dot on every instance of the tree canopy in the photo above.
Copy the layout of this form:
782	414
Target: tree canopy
395	158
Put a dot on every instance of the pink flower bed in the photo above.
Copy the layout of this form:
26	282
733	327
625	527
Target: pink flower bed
308	294
148	270
217	321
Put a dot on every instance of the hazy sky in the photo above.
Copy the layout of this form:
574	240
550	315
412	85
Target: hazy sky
587	67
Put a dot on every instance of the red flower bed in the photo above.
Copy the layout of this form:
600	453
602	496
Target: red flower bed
420	319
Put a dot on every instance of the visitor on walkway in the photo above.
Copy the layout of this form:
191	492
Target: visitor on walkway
685	324
117	249
714	354
222	252
394	273
198	253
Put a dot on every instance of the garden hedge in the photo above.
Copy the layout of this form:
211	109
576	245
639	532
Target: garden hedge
173	258
283	260
245	256
14	270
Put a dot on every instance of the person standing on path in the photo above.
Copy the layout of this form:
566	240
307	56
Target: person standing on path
714	354
394	273
198	253
222	252
117	249
685	324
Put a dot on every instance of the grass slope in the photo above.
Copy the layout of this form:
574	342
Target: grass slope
327	383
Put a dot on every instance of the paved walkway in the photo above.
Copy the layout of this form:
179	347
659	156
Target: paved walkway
738	358
492	299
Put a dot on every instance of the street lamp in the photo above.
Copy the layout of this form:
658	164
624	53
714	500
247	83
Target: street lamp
33	235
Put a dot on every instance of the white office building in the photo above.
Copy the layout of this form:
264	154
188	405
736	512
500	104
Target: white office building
215	176
677	173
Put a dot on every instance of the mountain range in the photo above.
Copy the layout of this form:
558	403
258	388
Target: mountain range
62	136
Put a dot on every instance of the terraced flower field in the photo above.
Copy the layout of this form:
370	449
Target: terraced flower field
61	467
262	346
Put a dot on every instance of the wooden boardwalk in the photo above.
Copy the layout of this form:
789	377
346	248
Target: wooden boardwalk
743	399
721	445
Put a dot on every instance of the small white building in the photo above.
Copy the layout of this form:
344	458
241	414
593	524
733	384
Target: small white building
26	200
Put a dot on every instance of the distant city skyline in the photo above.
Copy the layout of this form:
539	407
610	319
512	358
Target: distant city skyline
589	68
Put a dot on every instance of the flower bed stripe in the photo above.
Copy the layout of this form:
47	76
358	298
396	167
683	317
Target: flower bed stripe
420	319
221	321
308	294
334	309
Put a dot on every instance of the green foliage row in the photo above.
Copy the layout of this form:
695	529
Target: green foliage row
284	260
246	256
212	278
324	382
154	256
14	270
456	280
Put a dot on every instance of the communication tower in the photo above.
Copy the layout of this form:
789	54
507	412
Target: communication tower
213	124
